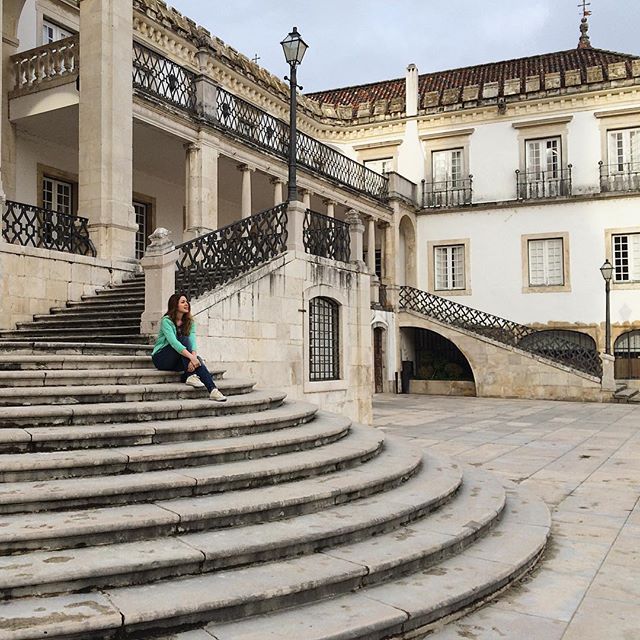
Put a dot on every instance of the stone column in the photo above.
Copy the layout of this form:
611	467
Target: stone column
246	189
608	383
106	126
371	246
306	197
295	226
206	89
356	236
331	208
201	189
278	184
159	265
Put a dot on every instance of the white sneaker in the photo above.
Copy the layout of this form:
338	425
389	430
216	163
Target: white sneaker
194	381
217	396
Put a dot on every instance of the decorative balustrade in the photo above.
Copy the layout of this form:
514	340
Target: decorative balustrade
447	193
211	260
45	67
325	236
554	183
158	77
32	226
505	331
619	177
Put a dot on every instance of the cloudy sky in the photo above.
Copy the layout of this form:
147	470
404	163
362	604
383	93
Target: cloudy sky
359	41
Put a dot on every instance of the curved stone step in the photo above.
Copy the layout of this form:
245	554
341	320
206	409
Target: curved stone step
75	377
112	321
130	339
133	563
64	313
62	438
71	348
49	362
407	602
58	530
113	393
74	334
129	302
18	472
111	412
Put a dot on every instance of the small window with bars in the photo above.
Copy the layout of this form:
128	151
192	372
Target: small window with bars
324	340
626	257
449	267
57	195
546	262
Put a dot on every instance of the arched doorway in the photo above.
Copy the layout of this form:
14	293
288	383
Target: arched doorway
378	359
437	358
626	350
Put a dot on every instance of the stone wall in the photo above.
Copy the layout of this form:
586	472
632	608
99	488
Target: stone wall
504	372
257	327
34	280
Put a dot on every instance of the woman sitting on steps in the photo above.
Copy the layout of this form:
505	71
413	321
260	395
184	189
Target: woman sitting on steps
175	347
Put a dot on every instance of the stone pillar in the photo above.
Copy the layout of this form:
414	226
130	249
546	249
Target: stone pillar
608	383
206	89
201	189
331	208
278	185
371	246
306	197
106	126
246	189
159	266
295	226
388	256
356	236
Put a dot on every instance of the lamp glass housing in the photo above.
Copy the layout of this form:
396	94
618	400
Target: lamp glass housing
607	271
294	47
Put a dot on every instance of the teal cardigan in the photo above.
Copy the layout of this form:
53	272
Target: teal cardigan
168	335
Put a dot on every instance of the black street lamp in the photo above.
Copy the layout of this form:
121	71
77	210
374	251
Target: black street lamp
294	48
607	273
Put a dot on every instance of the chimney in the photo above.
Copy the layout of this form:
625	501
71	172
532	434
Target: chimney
411	89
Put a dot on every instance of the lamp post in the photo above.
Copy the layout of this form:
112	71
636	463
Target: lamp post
607	273
294	48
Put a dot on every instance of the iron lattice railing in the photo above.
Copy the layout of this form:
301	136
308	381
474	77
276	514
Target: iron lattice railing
447	193
211	260
32	226
158	77
622	176
554	183
507	332
327	237
268	132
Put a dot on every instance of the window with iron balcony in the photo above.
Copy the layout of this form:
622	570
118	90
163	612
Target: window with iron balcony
544	175
622	171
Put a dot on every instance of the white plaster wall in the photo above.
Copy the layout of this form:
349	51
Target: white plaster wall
169	201
27	35
584	153
496	278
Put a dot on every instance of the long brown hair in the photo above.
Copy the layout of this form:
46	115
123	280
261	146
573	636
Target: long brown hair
172	313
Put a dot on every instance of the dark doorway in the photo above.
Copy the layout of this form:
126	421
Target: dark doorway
378	367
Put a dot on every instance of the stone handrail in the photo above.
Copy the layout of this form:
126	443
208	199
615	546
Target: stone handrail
45	67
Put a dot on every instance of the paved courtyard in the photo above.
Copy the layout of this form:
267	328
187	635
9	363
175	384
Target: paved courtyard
583	460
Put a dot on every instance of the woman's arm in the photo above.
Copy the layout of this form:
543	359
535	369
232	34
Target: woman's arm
169	330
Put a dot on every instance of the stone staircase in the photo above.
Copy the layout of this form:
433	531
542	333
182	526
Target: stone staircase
134	507
624	393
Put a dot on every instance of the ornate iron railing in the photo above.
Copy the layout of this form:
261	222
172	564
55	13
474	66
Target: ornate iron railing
622	176
325	236
211	260
32	226
158	77
447	193
507	332
46	66
533	185
258	127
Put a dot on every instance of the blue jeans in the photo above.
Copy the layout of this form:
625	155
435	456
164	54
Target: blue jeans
168	359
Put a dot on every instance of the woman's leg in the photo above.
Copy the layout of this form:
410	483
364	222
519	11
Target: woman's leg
167	359
202	372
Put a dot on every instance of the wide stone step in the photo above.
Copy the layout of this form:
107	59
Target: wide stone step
395	464
400	608
113	393
126	460
53	362
87	436
134	306
40	573
80	321
75	377
73	333
377	571
32	347
113	412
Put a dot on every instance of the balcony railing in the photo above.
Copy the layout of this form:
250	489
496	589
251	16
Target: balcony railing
619	177
532	185
447	193
327	237
45	67
31	226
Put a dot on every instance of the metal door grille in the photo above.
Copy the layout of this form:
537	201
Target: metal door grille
324	340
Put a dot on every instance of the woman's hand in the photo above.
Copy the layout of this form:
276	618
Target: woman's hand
194	364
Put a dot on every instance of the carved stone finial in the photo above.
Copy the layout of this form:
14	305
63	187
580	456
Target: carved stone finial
584	42
160	242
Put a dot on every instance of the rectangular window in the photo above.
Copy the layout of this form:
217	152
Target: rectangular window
446	167
381	165
543	158
57	195
52	32
626	257
449	267
142	216
624	150
546	262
